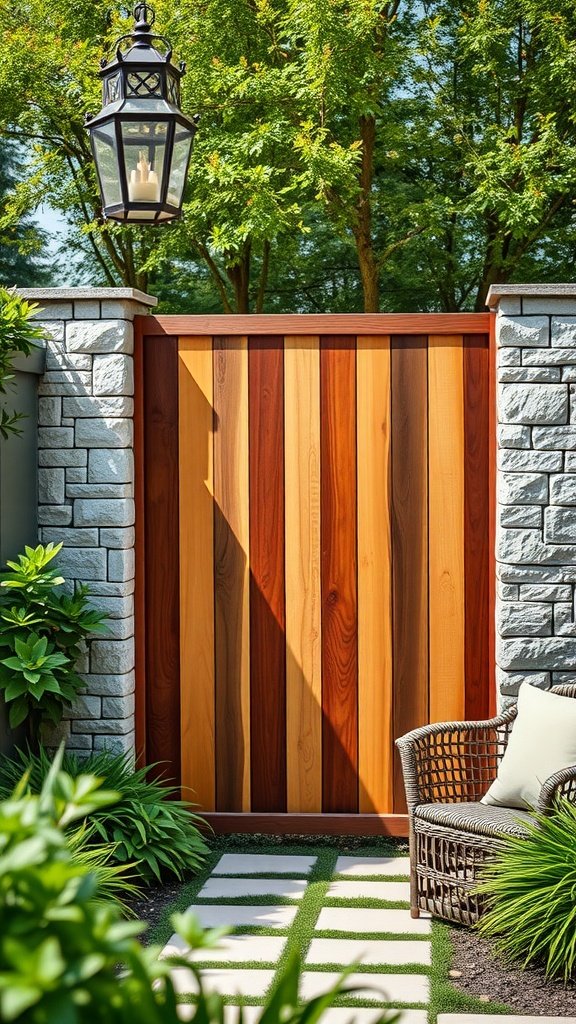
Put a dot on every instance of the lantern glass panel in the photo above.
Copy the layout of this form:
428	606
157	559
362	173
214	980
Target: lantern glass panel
106	158
144	144
180	156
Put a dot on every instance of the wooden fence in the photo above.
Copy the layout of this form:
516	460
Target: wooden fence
314	570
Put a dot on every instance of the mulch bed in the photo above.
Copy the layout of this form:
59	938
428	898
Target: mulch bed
525	992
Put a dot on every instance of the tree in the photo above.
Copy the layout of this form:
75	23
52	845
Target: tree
22	244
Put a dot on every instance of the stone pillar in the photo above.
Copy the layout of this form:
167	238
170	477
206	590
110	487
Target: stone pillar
536	485
86	487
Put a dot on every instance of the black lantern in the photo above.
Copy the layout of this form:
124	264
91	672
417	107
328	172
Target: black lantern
141	140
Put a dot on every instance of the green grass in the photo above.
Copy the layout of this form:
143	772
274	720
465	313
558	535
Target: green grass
444	997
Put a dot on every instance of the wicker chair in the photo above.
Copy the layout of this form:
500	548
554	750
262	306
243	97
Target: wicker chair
447	769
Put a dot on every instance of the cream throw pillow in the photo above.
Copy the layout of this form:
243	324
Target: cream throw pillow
543	741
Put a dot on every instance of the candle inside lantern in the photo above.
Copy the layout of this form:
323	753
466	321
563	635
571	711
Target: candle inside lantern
143	186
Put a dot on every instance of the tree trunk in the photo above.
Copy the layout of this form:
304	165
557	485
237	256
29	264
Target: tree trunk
367	262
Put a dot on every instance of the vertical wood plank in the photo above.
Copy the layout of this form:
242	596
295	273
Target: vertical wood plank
375	745
446	526
197	569
231	574
267	600
409	539
162	551
477	554
303	596
339	579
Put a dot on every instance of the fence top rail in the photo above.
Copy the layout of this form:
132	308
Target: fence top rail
320	324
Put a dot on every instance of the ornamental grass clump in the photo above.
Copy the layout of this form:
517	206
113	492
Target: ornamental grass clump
145	828
530	888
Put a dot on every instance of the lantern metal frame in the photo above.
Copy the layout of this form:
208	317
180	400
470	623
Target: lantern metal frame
141	86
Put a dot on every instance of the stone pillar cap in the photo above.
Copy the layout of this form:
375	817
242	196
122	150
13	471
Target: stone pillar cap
500	291
77	294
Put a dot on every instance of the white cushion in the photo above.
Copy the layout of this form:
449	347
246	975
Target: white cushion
543	741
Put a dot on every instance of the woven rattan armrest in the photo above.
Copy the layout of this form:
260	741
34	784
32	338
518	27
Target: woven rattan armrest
562	783
453	761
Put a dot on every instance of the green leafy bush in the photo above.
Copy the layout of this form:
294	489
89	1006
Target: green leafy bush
61	945
143	826
41	632
17	334
530	888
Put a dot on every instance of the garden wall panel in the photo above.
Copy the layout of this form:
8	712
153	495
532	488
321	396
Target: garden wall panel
313	536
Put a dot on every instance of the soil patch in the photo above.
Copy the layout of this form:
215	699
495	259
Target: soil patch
149	906
525	992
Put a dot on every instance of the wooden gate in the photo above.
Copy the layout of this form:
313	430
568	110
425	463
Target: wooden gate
314	570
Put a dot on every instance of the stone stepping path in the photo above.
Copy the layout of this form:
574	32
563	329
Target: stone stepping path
244	965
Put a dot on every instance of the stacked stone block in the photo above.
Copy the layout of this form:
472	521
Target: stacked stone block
86	489
536	485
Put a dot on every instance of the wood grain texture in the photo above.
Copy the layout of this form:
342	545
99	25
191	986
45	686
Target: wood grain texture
139	544
310	824
161	528
339	582
492	456
409	540
350	324
267	602
477	554
231	574
197	727
446	526
375	749
303	594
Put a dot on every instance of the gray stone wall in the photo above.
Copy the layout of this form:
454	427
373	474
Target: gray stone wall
536	485
86	488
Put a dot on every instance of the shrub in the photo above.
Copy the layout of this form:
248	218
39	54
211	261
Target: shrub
17	334
41	632
531	894
143	826
60	947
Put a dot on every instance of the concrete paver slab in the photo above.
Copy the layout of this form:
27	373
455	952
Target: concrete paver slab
368	951
358	890
492	1018
218	915
334	1015
228	888
401	988
263	863
372	866
236	949
226	981
358	919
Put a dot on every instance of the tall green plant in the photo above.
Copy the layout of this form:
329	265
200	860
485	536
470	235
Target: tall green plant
17	335
60	947
530	888
41	632
147	827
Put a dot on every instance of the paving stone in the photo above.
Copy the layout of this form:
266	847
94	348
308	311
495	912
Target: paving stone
348	890
236	949
493	1018
262	863
334	1015
227	981
368	951
217	888
372	866
359	919
215	915
401	988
